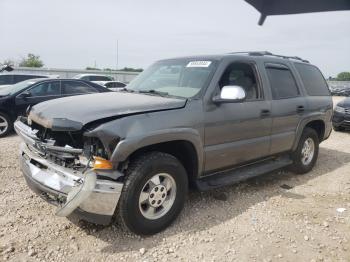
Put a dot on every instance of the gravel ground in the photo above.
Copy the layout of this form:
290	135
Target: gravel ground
276	217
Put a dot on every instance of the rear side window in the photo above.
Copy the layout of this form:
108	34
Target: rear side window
312	79
282	82
76	87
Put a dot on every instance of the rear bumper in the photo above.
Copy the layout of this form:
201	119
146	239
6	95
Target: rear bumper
92	199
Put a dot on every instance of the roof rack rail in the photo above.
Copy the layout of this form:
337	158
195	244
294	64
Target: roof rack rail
266	53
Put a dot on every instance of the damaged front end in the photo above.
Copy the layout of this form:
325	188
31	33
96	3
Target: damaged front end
69	170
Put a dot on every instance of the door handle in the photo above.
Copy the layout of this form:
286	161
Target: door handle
265	113
300	109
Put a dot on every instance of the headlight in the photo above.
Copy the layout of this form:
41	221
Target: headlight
339	109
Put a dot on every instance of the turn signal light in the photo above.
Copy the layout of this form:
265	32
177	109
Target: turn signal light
101	163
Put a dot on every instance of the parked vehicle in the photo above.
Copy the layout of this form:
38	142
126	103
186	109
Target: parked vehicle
205	121
112	85
15	99
94	77
340	89
341	116
11	79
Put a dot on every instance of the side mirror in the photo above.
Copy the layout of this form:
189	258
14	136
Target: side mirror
230	94
25	94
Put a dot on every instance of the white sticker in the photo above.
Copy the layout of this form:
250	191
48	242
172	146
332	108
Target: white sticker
199	64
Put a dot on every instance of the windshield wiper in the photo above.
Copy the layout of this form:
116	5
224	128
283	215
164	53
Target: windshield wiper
152	91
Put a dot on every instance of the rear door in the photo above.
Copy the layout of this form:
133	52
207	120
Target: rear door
287	107
40	92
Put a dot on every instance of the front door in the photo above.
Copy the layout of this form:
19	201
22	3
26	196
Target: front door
39	93
237	133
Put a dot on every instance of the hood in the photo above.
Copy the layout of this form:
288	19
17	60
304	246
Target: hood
72	113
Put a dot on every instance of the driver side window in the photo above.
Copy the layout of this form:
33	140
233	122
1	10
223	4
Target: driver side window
243	75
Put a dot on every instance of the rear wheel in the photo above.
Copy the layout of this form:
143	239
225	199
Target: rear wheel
5	125
305	156
154	193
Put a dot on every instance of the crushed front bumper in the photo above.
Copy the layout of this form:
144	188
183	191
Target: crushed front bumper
82	193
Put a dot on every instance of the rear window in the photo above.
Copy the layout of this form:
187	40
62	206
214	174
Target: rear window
20	78
77	87
6	79
313	80
282	82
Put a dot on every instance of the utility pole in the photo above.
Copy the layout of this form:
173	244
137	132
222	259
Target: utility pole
117	61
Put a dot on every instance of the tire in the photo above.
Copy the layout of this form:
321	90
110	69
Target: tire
302	164
338	128
6	125
140	216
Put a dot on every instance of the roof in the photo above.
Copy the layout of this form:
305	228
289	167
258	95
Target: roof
243	54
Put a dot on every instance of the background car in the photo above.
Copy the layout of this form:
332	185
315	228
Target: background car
112	85
341	115
11	79
15	99
94	77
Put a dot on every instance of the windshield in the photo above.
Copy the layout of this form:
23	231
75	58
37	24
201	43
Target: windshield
180	77
10	90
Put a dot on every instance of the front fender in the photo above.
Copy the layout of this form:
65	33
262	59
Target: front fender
131	144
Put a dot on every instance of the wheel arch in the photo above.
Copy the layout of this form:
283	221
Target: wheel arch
185	146
317	124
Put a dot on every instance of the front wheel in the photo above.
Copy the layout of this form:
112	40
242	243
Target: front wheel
305	156
5	125
154	193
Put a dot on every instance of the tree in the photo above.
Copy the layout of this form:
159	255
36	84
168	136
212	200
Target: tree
130	69
92	68
343	76
31	61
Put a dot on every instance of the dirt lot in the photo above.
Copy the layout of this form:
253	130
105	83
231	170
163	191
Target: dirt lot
276	217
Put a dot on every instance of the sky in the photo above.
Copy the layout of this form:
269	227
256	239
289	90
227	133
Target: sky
80	33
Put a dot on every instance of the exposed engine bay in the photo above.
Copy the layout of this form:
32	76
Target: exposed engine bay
66	148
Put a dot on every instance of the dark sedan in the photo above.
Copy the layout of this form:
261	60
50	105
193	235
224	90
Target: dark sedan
15	99
341	116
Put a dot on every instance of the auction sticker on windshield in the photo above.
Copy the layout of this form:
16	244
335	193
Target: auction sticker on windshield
199	64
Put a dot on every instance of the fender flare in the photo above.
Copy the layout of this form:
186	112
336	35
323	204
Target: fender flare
129	145
303	123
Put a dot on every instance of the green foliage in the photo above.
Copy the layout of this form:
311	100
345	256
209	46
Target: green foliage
343	76
130	69
126	69
31	61
92	68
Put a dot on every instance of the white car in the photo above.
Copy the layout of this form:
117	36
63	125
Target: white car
112	85
94	78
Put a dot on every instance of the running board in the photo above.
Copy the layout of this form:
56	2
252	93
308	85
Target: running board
242	173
